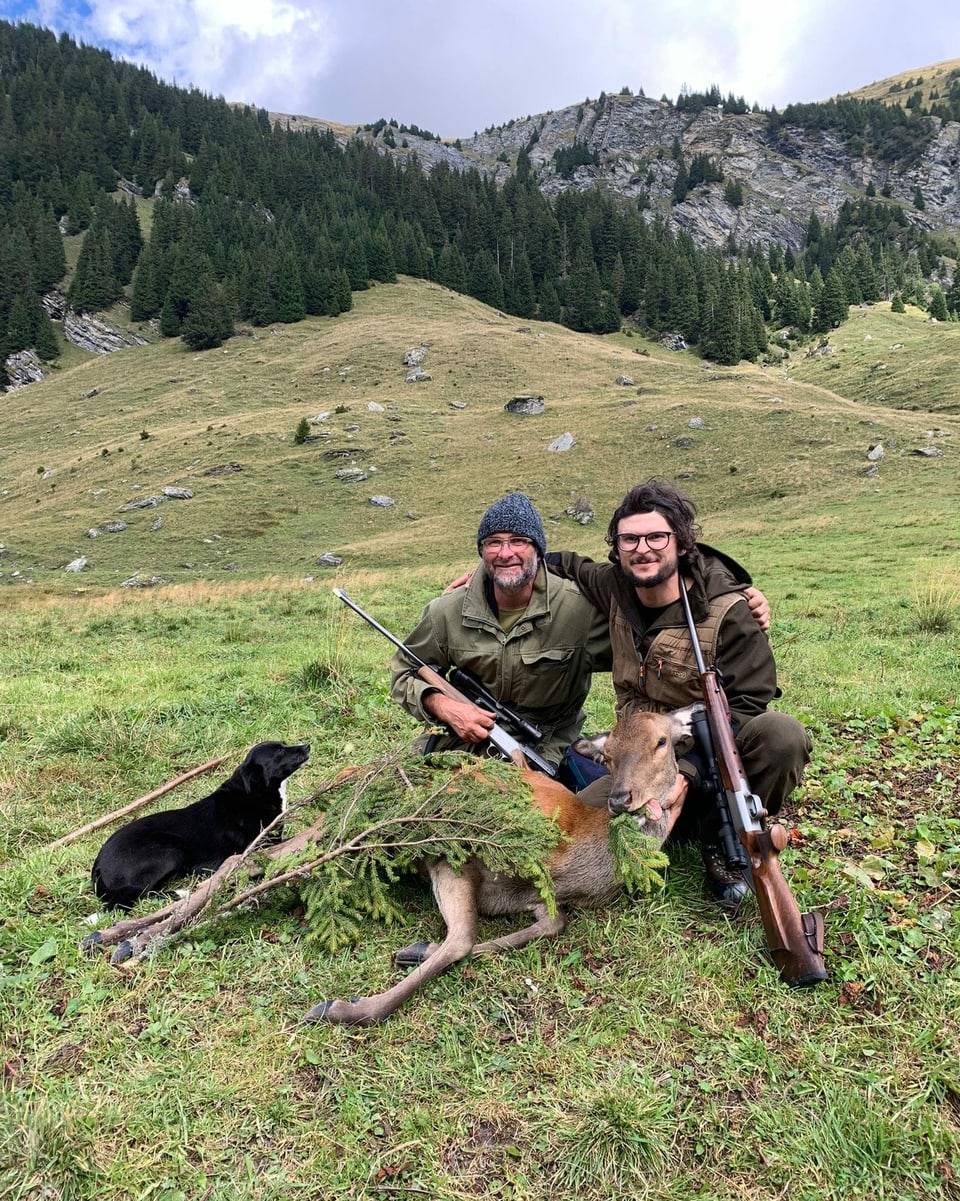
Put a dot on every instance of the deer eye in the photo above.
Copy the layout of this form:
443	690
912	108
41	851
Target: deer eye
662	742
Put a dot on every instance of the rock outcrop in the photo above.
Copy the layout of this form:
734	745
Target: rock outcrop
96	335
22	368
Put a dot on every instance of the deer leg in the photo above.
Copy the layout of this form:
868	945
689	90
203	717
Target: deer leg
545	926
456	897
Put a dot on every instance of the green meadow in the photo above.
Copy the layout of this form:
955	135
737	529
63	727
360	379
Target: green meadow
652	1050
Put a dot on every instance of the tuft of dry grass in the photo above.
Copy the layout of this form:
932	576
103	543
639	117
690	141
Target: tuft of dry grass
936	600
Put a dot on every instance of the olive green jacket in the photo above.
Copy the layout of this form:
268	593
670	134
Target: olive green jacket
542	667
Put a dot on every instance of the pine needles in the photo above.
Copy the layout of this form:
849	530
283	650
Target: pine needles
385	823
639	861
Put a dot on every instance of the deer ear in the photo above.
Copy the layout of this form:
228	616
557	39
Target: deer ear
591	748
681	726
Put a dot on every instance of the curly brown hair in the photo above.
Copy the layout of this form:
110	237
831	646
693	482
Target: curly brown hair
677	508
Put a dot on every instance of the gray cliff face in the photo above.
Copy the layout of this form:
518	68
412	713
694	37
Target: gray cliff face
784	175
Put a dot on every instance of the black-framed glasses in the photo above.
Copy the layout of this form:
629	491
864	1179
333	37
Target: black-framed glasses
656	540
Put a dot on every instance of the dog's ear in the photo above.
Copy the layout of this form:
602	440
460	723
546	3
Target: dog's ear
254	779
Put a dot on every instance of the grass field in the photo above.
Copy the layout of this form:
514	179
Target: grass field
652	1050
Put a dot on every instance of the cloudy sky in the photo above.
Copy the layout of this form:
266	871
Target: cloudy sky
454	68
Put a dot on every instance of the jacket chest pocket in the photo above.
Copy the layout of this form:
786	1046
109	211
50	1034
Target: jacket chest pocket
670	681
550	677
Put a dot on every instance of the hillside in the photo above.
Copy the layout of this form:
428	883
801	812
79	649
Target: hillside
931	82
761	449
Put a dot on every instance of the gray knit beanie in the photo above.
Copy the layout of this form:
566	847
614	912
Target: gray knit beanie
513	514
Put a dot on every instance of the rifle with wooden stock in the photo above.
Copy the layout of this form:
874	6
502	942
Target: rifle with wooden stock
504	742
794	939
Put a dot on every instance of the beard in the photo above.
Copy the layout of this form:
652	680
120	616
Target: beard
667	570
511	580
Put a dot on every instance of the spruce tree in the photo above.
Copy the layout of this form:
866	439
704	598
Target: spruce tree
832	310
867	274
938	305
21	324
46	343
342	292
380	258
208	321
50	263
524	295
722	342
94	286
451	269
145	298
291	304
583	301
548	306
681	185
484	282
169	318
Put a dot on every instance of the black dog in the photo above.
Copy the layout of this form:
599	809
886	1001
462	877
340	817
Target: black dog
145	854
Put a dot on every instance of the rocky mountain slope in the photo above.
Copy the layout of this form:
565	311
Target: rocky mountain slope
784	175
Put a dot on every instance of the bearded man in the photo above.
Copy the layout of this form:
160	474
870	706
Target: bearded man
653	554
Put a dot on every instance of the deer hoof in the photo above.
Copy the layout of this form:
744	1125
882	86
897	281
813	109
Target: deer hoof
123	952
318	1013
91	942
321	1012
413	955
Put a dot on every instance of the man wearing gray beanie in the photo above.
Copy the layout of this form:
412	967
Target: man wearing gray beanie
530	638
513	512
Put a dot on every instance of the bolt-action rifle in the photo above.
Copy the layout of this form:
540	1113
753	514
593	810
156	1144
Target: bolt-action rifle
473	692
794	939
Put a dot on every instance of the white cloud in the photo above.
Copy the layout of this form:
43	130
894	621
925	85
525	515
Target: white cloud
262	51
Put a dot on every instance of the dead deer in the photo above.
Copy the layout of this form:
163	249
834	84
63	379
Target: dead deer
641	754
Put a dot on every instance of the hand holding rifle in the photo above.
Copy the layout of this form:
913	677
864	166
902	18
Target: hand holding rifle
468	721
480	712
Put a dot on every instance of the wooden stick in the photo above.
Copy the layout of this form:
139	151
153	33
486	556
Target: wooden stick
137	804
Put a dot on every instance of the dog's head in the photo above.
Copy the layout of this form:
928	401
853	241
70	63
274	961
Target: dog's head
268	764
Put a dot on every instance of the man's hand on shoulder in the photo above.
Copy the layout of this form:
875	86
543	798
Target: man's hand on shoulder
460	581
759	607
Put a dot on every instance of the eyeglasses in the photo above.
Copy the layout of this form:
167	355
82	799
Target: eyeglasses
656	540
493	546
